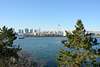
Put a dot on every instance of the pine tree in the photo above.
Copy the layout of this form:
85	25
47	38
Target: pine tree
79	44
7	49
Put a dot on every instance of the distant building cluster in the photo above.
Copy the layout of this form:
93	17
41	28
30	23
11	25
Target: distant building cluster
95	32
25	32
39	32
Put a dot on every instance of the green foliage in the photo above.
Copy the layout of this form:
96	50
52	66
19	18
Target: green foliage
79	42
7	49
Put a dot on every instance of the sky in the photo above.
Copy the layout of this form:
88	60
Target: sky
47	14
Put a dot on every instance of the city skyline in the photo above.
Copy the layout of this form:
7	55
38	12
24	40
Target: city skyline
38	30
33	32
47	14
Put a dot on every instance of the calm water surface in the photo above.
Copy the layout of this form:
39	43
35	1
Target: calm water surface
45	48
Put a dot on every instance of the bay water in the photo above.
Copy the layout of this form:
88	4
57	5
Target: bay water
44	48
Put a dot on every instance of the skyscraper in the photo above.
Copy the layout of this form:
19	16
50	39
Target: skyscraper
22	31
26	31
31	30
19	31
35	30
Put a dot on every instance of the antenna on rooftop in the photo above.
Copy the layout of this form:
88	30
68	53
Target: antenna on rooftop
39	30
58	27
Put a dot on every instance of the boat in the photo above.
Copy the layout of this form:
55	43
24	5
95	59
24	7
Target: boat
64	40
21	38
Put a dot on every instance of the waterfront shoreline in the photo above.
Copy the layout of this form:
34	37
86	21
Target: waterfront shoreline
51	36
44	36
97	36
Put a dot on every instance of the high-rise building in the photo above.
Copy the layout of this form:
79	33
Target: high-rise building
35	30
31	30
22	31
26	31
13	29
19	31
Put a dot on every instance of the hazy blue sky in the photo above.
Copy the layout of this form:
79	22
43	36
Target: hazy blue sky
47	14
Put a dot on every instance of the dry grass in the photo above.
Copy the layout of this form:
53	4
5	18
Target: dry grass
12	62
41	63
26	60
